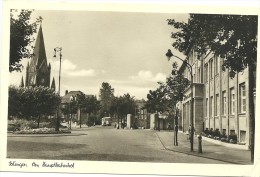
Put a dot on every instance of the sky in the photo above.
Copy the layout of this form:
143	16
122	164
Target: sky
125	49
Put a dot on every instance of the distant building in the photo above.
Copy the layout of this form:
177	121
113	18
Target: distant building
66	101
140	110
38	72
143	117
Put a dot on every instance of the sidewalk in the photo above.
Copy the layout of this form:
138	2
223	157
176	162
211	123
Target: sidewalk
209	150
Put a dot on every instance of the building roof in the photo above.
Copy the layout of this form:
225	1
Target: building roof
67	98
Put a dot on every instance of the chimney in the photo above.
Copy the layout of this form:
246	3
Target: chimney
66	92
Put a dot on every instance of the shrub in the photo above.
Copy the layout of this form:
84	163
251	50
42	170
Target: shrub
233	138
42	131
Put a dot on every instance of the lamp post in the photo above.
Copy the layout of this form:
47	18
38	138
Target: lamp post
169	55
58	49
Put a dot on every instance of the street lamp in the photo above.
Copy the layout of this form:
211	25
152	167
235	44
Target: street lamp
58	49
169	55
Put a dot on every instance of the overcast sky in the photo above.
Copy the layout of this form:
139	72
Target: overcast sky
127	50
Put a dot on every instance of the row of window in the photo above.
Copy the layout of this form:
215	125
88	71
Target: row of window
214	109
211	68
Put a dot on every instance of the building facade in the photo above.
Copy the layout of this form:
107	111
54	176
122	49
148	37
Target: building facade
220	102
70	114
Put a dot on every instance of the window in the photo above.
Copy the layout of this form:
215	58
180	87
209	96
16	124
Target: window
216	65
242	136
217	105
211	69
211	111
224	132
232	101
207	105
224	102
232	132
242	98
199	75
206	73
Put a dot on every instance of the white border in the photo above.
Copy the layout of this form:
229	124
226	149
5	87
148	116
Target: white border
231	7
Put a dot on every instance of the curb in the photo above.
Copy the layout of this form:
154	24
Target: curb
45	135
197	155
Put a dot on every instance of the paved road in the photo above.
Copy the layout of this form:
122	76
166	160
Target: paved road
99	144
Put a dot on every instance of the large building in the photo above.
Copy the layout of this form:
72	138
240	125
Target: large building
220	102
38	71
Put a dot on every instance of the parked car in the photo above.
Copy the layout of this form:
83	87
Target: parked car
106	121
64	125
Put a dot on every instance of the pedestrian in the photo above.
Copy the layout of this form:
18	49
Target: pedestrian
189	132
169	126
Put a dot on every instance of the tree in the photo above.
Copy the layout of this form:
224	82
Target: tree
106	96
165	97
21	31
14	105
155	102
91	106
173	90
123	105
232	37
32	102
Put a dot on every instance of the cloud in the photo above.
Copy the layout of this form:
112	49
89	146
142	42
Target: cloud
70	69
87	73
147	76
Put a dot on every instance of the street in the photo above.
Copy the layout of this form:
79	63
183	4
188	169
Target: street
98	144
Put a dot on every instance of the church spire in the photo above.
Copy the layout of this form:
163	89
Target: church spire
38	72
53	84
22	83
39	59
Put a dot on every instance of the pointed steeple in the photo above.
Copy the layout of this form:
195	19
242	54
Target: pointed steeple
53	84
22	83
38	72
39	58
28	64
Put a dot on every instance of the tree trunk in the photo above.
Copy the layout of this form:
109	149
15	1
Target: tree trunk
58	120
251	85
38	125
79	117
117	121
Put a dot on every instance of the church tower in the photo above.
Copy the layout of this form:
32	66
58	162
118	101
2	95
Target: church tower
38	72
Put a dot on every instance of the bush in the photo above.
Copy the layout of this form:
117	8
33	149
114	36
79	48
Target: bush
206	132
13	127
233	138
24	124
42	131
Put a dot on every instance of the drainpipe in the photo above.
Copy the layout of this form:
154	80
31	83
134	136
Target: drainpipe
209	93
220	98
237	114
228	104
